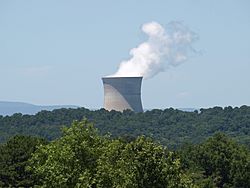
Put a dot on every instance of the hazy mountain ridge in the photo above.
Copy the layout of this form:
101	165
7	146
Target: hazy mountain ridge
10	108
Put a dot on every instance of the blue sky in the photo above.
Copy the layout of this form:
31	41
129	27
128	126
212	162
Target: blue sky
55	52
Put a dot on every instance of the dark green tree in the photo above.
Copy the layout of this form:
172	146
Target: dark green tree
221	160
14	156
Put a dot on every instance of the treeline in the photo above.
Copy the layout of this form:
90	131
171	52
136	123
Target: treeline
170	127
82	157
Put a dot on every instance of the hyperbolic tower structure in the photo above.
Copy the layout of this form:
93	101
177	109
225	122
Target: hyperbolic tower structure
121	93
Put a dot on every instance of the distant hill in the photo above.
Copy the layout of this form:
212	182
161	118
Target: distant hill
10	108
170	127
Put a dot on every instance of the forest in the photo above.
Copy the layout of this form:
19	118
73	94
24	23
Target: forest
169	127
156	148
82	157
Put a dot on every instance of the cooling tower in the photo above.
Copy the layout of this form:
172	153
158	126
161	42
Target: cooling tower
121	93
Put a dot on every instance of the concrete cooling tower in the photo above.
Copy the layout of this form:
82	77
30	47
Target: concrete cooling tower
121	93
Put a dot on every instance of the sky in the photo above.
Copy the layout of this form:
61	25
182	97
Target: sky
55	52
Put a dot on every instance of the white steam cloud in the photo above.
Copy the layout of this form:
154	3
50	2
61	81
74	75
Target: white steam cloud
163	49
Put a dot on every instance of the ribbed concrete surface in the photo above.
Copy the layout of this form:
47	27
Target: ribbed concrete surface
121	93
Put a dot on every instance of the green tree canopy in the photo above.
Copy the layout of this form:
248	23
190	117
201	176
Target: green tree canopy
170	127
14	157
140	163
83	158
221	160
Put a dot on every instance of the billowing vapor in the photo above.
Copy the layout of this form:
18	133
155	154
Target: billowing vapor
164	48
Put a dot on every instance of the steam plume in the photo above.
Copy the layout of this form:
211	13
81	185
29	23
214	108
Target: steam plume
163	49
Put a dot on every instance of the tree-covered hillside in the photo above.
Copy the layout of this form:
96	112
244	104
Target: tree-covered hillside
170	127
82	157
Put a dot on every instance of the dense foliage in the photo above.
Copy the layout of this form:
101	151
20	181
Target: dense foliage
14	155
220	162
82	157
170	127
